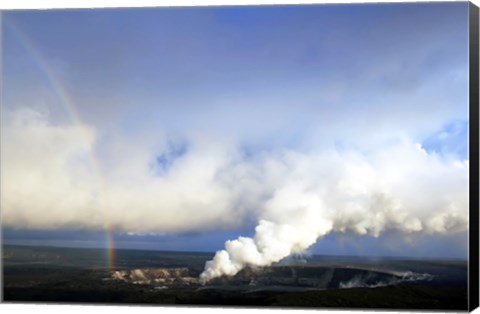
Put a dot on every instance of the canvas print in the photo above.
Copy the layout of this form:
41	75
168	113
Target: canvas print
267	156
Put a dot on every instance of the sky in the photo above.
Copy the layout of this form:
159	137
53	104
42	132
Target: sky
181	128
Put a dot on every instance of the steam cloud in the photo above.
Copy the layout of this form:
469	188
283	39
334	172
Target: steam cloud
346	193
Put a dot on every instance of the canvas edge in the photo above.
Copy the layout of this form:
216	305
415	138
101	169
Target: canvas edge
474	193
473	286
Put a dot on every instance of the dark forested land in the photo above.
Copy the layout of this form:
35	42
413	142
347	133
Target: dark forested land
64	275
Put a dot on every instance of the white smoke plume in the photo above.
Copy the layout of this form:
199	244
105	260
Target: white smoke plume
404	189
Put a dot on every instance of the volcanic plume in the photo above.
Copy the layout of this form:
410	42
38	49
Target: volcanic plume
423	194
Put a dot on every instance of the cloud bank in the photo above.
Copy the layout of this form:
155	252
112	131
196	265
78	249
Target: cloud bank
52	178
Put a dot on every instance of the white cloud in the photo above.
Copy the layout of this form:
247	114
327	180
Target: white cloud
47	177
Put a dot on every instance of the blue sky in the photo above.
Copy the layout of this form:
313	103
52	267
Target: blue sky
192	121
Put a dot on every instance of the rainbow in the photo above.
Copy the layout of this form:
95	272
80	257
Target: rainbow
70	106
